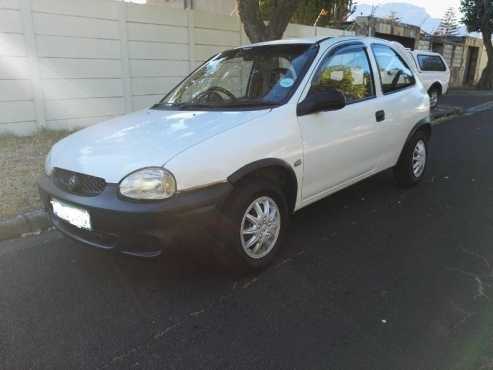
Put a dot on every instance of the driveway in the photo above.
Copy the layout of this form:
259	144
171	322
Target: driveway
374	277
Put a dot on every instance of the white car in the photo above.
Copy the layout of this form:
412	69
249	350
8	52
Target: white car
253	135
434	73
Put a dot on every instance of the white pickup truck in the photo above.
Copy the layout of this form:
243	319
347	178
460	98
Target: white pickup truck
434	73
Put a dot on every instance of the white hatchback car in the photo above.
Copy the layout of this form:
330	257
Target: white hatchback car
434	73
253	135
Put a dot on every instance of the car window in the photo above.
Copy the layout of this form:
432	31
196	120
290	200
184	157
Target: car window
349	71
394	73
259	76
431	63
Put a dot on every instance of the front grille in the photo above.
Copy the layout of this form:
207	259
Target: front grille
78	183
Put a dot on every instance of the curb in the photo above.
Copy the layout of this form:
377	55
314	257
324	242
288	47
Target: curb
444	112
27	224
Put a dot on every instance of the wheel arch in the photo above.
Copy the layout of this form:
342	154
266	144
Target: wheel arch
272	168
423	125
436	85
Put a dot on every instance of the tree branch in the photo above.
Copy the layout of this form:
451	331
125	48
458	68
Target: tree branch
273	28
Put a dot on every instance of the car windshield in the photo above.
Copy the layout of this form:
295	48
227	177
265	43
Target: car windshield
250	77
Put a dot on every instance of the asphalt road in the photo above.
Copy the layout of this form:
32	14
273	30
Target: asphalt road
374	277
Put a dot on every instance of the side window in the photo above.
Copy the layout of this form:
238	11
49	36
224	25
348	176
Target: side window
394	73
347	70
431	63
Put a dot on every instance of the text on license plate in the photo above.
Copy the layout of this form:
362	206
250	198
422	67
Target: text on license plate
73	215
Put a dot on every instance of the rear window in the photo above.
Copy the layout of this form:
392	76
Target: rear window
431	63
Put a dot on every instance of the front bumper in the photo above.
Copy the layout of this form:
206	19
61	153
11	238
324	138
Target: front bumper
139	228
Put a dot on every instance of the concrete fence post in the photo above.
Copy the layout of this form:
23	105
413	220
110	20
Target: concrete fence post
124	58
32	55
191	39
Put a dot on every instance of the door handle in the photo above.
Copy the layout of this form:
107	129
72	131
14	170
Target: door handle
380	115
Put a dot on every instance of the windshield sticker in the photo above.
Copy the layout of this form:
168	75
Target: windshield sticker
286	82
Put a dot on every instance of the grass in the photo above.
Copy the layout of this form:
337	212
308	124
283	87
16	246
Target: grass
21	163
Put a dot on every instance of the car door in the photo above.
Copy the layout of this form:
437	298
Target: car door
341	146
401	101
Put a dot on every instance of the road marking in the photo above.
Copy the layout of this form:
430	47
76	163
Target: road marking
479	108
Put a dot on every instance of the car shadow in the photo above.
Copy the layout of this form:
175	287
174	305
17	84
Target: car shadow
200	260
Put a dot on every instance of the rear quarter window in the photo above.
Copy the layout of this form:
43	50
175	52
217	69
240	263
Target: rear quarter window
431	63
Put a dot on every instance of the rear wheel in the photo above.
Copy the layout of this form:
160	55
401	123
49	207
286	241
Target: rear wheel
257	219
412	164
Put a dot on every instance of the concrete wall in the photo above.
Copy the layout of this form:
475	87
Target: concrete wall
72	63
226	7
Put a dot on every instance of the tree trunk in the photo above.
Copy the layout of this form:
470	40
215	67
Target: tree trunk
486	81
256	29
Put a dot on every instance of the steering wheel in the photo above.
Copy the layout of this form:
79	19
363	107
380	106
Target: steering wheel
215	93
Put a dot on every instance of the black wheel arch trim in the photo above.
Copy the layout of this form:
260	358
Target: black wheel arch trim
266	163
436	85
423	124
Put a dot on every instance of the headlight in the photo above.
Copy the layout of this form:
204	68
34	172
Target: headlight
48	166
149	183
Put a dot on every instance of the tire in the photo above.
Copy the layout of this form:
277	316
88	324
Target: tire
411	166
435	95
235	246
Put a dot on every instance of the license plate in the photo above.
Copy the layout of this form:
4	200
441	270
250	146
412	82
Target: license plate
75	216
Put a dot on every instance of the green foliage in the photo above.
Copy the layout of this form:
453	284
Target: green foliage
449	25
308	11
472	11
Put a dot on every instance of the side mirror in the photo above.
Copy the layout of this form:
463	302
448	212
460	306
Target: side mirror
321	99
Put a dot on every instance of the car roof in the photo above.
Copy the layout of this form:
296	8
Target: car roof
305	40
425	52
319	40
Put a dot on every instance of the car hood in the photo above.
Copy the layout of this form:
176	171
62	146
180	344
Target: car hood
113	149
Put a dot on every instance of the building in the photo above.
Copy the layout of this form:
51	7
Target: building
406	34
466	56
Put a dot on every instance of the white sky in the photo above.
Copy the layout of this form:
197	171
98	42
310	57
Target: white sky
436	8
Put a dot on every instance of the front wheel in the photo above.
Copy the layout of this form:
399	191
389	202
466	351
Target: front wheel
257	219
412	164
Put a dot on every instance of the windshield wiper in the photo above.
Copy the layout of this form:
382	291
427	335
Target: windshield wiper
251	103
180	105
233	104
160	104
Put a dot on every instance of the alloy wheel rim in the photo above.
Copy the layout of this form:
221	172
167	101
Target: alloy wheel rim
419	158
260	227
